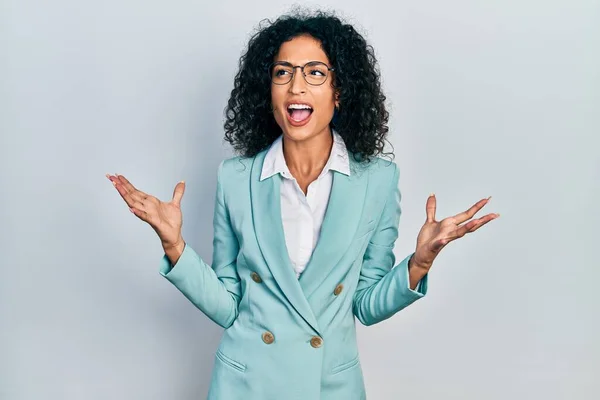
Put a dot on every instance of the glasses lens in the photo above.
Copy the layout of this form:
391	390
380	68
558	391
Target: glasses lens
316	73
281	74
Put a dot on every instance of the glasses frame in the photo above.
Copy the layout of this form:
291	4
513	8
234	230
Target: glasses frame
270	69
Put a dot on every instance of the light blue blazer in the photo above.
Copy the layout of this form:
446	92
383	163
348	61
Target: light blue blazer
287	338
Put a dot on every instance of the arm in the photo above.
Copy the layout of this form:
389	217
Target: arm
382	290
215	290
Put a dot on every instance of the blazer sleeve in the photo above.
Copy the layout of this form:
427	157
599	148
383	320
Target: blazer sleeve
214	289
384	289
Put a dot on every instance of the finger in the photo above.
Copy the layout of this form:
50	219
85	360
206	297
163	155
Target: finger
430	208
141	210
128	189
178	192
143	215
467	215
472	226
114	180
133	199
126	184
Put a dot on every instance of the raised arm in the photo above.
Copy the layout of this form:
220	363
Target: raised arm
214	289
384	289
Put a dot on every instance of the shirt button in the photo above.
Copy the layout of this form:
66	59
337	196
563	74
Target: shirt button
338	289
268	337
256	278
316	342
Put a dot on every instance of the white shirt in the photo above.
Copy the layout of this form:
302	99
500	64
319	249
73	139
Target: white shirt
302	215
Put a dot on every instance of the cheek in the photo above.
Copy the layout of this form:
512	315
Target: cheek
326	106
326	99
277	98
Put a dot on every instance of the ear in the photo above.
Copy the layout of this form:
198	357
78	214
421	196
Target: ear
336	97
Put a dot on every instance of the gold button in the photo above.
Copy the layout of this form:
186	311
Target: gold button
268	337
338	289
316	342
256	278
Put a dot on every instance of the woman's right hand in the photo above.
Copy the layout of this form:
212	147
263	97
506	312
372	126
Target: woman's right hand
164	217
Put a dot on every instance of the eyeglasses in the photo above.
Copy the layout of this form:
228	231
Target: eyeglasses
315	72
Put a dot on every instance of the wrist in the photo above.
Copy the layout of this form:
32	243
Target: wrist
178	243
174	251
415	273
412	265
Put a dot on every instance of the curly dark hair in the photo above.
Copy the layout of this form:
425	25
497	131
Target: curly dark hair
361	119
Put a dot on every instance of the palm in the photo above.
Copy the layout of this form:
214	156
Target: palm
164	217
435	235
168	218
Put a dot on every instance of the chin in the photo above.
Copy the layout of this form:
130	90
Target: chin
301	133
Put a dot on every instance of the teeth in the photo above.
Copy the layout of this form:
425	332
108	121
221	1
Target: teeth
300	107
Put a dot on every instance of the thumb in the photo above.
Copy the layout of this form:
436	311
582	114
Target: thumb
178	192
430	208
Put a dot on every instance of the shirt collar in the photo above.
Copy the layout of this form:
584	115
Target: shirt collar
274	161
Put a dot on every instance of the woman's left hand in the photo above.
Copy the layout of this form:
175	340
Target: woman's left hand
435	235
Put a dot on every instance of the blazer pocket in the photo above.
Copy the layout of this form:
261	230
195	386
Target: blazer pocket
345	366
230	362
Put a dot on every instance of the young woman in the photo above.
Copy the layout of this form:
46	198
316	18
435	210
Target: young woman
305	219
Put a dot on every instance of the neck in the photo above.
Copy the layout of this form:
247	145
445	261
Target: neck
308	156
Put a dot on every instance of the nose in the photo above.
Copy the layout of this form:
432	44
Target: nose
298	83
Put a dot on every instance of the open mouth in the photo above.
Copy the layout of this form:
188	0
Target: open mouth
299	112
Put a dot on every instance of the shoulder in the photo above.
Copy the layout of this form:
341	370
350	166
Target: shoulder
235	167
239	167
233	174
383	166
380	171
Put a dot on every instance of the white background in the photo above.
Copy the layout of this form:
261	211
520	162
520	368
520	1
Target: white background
496	98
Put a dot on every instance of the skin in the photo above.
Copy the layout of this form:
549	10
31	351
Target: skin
306	150
435	235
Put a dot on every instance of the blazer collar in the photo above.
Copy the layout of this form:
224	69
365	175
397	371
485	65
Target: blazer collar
337	231
274	162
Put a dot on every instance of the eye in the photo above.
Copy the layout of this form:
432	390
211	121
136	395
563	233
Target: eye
280	71
316	69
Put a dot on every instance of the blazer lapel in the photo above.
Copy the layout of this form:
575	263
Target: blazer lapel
268	226
340	223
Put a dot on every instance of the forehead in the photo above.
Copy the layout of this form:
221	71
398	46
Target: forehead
300	50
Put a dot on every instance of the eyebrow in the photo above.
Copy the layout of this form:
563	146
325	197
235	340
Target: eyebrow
291	63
